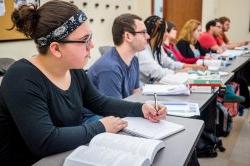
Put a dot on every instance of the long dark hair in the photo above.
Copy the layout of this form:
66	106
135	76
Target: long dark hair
156	28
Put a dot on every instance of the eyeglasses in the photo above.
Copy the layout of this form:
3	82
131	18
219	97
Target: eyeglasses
144	32
86	41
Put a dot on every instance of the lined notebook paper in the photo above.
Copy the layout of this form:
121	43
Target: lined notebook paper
144	128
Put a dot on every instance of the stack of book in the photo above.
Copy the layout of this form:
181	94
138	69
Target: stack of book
207	79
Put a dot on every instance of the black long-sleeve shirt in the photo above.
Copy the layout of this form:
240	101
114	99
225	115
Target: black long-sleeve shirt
185	49
43	119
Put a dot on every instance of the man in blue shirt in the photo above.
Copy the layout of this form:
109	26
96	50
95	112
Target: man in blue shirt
116	73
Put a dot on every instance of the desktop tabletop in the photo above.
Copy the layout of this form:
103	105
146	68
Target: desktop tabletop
178	150
179	147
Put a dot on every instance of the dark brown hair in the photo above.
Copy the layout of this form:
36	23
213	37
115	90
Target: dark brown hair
123	23
211	23
170	26
38	22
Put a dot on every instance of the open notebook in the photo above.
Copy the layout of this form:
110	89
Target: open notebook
144	128
109	149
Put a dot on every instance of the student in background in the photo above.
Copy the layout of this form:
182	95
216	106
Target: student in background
210	39
154	62
42	99
225	22
116	73
242	76
171	49
187	42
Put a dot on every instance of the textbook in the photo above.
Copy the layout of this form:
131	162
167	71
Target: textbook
204	78
144	128
107	149
203	89
208	81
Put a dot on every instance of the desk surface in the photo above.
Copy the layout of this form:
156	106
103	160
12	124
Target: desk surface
237	63
200	98
178	150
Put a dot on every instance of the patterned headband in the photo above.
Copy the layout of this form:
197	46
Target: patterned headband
64	30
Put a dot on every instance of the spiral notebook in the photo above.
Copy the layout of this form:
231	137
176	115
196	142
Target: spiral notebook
144	128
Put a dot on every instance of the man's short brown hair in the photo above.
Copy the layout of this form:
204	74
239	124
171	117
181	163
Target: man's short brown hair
123	23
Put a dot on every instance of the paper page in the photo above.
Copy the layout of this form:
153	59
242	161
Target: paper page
173	79
213	65
144	128
159	89
177	107
180	108
223	73
137	146
240	48
183	109
232	53
244	48
201	89
90	156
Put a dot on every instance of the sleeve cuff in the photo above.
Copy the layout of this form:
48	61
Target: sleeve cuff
138	110
98	127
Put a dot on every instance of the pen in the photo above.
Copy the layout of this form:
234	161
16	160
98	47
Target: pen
156	102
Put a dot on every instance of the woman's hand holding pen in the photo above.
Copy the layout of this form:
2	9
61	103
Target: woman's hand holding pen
153	115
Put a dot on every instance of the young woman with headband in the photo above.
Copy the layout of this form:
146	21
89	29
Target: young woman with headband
43	100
